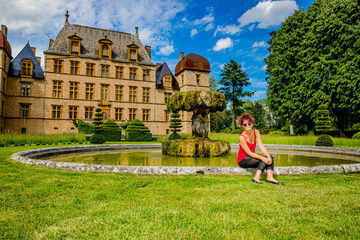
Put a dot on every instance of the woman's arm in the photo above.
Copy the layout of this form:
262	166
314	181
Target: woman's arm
261	145
247	150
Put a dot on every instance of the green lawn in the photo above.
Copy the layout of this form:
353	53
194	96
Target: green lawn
41	203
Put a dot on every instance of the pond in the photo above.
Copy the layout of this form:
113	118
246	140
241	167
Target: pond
154	157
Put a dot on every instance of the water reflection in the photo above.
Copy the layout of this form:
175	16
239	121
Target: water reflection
154	157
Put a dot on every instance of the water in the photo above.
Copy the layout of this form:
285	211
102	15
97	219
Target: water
154	157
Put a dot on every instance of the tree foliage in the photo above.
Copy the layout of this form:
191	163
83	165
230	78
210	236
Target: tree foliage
233	81
314	57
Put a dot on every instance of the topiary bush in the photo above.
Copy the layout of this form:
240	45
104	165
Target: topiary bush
356	136
111	131
324	140
97	139
137	131
323	122
277	133
175	126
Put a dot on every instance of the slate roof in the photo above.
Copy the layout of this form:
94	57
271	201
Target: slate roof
90	42
26	53
161	72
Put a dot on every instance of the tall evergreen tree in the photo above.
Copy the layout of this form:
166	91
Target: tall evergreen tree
314	58
233	81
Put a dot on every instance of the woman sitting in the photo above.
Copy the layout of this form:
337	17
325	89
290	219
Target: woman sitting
247	158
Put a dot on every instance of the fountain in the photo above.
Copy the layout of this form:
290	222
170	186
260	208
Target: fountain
201	103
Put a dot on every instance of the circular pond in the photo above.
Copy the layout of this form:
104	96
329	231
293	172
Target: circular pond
154	157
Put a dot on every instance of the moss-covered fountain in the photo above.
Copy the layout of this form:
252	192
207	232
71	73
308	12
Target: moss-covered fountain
201	103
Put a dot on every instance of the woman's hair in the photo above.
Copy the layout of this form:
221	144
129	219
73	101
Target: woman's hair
245	116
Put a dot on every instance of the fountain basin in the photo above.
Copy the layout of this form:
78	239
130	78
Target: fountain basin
28	157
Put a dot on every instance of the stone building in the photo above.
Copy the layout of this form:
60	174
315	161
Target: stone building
86	68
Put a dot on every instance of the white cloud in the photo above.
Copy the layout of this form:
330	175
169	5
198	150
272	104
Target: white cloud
264	67
268	13
166	51
209	27
259	44
259	95
221	66
258	83
205	20
229	29
40	20
193	32
223	43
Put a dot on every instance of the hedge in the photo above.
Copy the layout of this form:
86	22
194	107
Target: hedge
137	131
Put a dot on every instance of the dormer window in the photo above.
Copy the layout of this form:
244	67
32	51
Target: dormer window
167	81
133	53
105	48
27	67
75	45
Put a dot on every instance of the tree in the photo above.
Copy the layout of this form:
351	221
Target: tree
233	81
256	109
175	126
314	58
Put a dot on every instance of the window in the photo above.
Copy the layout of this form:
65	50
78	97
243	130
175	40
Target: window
198	79
146	95
119	93
74	67
57	89
74	90
167	96
89	91
145	115
24	110
167	81
119	73
89	113
90	69
182	115
133	73
73	112
105	51
23	130
2	107
119	114
167	115
3	84
26	67
25	89
58	66
5	60
104	92
132	94
56	112
182	80
75	47
104	70
132	114
146	75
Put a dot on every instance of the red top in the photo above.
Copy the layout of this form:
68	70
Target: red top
242	153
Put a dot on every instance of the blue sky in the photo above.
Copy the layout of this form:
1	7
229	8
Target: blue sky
218	30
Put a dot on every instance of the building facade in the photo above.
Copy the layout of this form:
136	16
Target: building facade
88	68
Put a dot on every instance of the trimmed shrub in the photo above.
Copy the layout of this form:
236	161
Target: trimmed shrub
277	133
97	139
226	130
238	131
323	123
137	131
111	131
324	140
174	136
84	127
356	136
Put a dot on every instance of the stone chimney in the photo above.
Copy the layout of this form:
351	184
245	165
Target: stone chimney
148	50
51	41
33	49
4	30
39	59
181	56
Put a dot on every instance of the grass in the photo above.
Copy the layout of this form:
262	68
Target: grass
41	203
289	140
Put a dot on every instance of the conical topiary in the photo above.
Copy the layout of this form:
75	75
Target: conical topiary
323	125
137	131
111	131
97	137
175	126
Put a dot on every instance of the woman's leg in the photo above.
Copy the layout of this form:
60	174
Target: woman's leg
249	162
270	170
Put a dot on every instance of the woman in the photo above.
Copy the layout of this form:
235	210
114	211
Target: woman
247	158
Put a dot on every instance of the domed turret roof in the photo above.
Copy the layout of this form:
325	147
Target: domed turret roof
4	43
192	62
